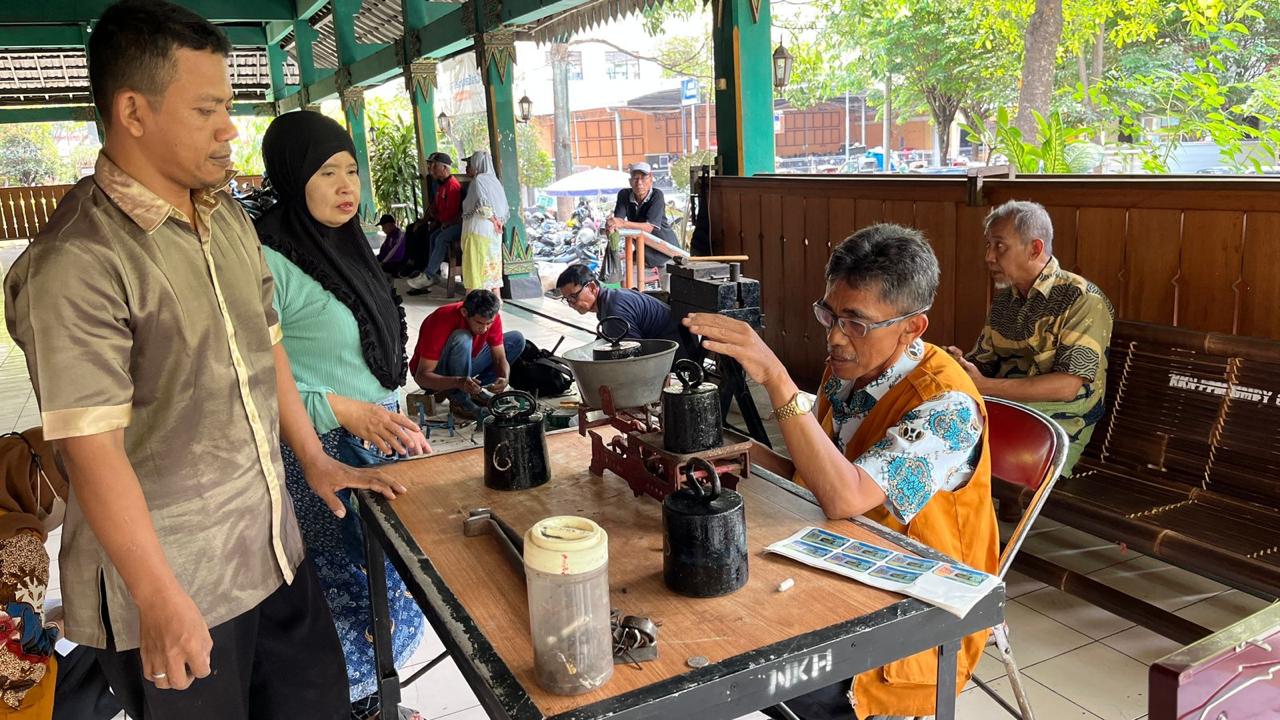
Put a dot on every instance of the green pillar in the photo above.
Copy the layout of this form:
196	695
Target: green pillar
495	56
744	86
353	108
344	25
275	62
420	81
94	117
304	37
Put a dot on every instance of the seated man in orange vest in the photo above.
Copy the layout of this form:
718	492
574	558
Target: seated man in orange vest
899	435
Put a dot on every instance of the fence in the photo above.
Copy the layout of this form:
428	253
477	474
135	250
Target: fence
1202	254
25	210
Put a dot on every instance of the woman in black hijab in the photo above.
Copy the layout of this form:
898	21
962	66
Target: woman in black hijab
345	334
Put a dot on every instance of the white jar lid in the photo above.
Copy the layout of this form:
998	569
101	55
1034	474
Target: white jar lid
565	545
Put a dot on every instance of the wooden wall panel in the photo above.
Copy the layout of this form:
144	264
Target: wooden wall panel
1100	250
972	279
843	221
1260	309
773	288
728	234
1192	253
792	312
752	239
1212	250
1153	248
1064	236
938	223
900	212
869	212
817	244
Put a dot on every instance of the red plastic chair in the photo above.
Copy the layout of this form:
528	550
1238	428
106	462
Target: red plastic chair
1029	449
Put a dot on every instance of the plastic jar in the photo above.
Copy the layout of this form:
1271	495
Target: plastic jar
566	562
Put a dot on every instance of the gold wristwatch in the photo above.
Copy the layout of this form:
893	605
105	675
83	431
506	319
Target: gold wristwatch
800	404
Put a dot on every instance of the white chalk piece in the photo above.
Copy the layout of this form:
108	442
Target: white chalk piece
786	585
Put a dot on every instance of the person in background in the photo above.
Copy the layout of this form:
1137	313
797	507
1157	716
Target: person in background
484	211
1047	332
165	392
344	330
446	227
647	317
643	207
393	255
463	353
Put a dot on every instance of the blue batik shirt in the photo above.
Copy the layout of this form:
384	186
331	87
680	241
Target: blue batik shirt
933	447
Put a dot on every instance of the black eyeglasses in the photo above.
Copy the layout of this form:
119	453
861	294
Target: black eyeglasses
852	327
573	297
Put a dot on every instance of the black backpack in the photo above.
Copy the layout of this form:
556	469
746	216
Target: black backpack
540	372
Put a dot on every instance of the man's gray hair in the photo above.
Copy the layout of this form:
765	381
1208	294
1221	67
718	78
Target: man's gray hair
896	257
1030	221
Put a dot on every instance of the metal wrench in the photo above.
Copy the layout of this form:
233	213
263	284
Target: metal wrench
483	520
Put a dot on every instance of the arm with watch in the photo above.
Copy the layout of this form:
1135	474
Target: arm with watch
842	488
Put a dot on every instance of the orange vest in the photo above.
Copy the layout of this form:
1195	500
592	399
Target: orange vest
961	524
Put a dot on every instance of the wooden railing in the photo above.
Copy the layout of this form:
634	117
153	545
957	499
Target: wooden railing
24	210
1199	253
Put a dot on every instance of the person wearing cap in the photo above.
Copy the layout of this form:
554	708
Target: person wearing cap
392	254
642	207
446	230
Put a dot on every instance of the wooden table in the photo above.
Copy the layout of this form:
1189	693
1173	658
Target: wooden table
764	646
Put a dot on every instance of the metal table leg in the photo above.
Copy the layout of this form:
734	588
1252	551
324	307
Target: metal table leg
380	620
945	707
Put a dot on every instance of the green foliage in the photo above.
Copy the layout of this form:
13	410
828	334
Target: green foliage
28	156
393	163
1223	89
469	133
246	149
680	168
536	168
1057	148
932	49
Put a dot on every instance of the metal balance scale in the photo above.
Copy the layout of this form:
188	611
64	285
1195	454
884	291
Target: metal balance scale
628	392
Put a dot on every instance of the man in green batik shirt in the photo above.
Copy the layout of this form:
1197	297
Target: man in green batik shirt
1048	330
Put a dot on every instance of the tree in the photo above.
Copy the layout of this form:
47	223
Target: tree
246	149
393	163
1202	71
561	119
932	49
1040	52
469	133
28	156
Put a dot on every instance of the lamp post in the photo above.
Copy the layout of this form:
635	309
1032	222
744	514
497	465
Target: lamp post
526	109
782	61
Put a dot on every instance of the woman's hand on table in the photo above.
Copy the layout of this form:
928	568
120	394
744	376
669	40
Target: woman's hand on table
390	432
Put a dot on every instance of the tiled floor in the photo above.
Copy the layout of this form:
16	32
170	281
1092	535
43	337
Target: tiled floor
1079	662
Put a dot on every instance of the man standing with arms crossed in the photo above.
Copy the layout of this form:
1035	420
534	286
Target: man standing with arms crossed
144	310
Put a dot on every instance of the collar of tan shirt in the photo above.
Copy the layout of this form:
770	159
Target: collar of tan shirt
144	207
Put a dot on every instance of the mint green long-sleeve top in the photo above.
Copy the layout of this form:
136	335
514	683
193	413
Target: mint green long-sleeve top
323	342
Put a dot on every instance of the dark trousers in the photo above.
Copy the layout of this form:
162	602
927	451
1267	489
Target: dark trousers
82	692
456	361
828	703
281	659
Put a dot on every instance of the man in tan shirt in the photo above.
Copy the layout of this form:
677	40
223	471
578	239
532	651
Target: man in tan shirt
144	310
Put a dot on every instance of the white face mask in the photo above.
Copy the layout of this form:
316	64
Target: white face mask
57	510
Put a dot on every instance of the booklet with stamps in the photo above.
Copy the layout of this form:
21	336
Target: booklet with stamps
949	585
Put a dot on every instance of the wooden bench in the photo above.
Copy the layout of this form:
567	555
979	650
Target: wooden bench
1184	466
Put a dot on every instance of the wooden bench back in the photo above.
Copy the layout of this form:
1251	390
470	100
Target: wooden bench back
1195	408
